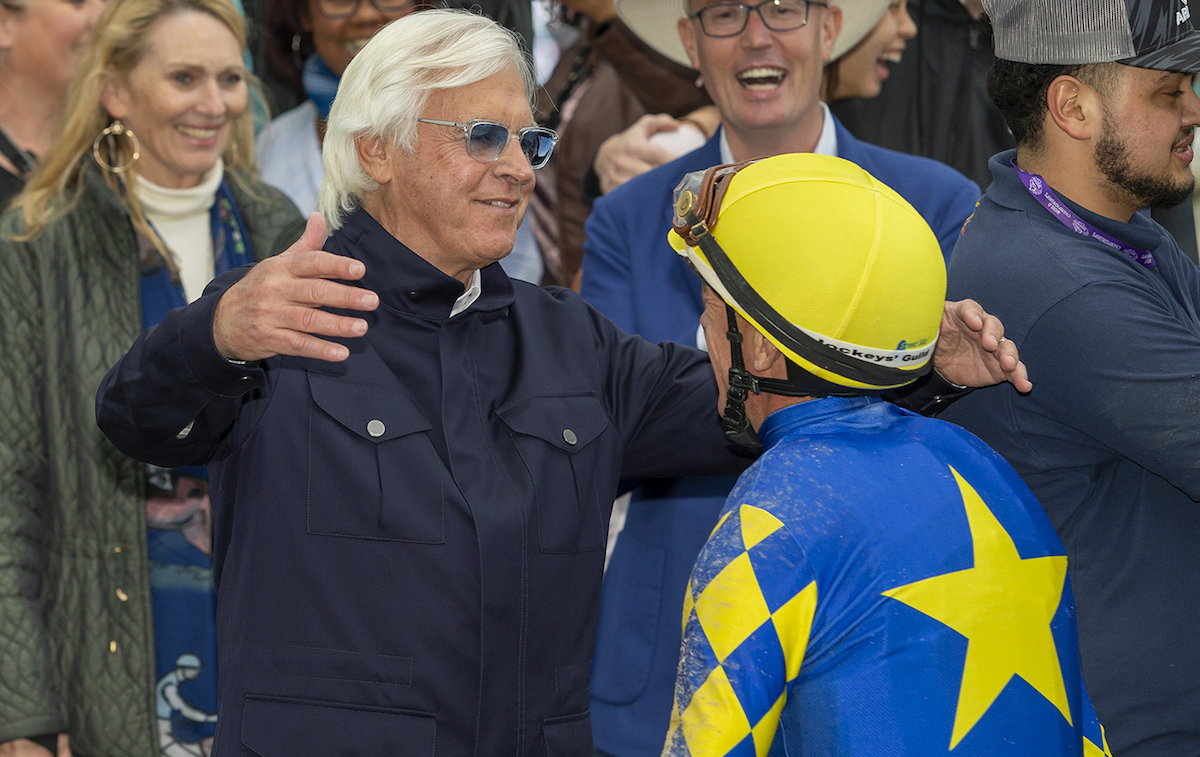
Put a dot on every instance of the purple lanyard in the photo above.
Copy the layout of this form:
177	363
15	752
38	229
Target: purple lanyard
1047	199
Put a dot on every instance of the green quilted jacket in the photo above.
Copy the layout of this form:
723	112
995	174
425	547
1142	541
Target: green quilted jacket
76	643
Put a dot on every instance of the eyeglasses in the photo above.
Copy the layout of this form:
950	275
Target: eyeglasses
729	19
347	8
486	140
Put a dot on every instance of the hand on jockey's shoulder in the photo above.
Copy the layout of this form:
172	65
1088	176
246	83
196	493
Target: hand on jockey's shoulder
972	351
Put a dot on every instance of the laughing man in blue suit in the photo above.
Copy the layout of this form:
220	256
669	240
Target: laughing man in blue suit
762	65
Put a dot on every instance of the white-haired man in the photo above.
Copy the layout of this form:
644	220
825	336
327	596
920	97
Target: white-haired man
409	542
410	520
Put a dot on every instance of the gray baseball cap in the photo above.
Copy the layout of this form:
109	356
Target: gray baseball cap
1155	34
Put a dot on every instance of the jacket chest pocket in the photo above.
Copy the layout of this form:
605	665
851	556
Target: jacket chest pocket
558	440
372	471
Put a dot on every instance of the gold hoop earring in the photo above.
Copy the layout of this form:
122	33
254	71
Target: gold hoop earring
116	129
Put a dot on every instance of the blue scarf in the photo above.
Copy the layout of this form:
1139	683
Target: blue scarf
320	84
231	249
181	583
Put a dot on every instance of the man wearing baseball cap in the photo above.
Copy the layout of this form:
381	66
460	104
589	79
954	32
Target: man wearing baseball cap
879	583
762	65
1106	311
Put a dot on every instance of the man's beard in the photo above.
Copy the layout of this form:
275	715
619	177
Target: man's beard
1112	158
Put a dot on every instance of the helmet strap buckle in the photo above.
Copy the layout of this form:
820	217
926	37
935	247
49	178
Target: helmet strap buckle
738	428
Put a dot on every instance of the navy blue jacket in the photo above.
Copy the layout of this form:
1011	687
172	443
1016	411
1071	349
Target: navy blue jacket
409	544
632	276
1108	440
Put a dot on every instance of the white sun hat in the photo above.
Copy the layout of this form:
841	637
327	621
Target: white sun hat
655	23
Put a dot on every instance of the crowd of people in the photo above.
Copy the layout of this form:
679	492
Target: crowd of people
312	428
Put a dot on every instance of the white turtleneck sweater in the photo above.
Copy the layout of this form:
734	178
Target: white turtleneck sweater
181	218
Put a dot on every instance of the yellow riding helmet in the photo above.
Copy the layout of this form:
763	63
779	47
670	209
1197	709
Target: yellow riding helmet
830	264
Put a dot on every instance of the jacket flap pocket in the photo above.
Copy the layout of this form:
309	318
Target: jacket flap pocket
569	736
570	423
334	664
277	727
373	412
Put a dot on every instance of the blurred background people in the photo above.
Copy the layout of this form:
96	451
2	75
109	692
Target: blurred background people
10	184
935	102
765	74
514	15
39	50
855	73
604	83
105	563
310	43
40	44
863	69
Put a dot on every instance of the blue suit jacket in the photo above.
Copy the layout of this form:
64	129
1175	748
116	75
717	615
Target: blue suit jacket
632	275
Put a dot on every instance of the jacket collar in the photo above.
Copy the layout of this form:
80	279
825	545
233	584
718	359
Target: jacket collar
405	281
810	416
1008	191
828	142
849	147
705	156
97	189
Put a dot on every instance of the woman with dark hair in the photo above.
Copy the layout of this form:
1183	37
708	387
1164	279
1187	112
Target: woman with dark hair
147	191
862	70
310	44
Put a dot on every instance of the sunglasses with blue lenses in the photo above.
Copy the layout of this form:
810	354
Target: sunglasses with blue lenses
486	140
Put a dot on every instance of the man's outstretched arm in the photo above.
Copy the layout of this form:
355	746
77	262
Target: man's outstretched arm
174	395
971	353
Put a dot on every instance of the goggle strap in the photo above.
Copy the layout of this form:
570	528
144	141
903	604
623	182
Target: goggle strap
694	217
812	350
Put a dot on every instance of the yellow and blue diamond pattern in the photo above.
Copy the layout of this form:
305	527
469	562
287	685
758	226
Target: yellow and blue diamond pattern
752	558
749	613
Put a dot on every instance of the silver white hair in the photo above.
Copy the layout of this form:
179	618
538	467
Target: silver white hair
385	87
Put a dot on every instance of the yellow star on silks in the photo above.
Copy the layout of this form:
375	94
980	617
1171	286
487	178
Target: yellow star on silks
1003	606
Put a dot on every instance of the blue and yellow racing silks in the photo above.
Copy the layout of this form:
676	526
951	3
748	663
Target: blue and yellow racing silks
880	584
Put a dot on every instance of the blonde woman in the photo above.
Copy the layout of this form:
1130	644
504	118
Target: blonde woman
106	598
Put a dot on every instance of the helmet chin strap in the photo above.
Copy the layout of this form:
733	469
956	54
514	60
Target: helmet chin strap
738	428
